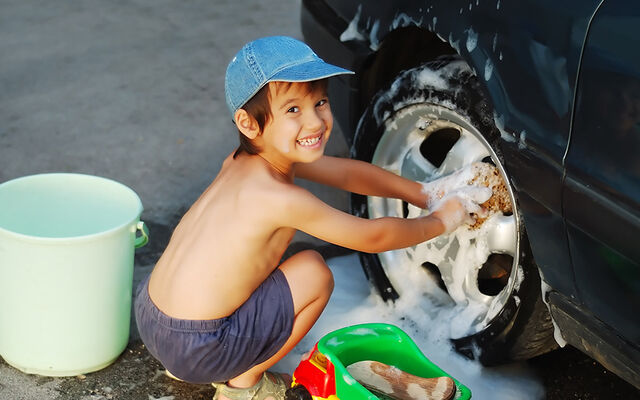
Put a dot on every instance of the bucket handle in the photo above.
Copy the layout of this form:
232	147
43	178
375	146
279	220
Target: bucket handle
144	237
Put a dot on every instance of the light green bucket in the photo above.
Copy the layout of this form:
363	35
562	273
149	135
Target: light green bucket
66	271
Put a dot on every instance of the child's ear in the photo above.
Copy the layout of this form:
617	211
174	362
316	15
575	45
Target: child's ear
246	124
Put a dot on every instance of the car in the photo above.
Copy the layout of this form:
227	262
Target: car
549	94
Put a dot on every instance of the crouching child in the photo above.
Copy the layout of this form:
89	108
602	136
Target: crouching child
219	305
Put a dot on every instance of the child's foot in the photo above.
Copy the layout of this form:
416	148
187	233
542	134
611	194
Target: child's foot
271	386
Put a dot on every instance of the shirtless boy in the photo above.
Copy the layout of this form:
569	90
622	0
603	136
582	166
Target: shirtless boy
219	305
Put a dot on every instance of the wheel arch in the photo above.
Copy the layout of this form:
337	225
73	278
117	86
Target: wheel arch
411	46
408	47
392	57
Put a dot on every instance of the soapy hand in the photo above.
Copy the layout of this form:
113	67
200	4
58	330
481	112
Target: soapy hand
471	197
457	207
452	213
457	182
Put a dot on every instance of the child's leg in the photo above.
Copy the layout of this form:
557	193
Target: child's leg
311	284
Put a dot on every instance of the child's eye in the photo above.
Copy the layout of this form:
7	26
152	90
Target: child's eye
294	109
322	102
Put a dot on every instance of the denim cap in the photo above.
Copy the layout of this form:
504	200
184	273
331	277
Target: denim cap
275	58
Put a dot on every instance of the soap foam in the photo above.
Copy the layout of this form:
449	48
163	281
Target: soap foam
354	302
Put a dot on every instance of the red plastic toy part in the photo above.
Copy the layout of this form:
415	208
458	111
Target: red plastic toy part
317	375
323	375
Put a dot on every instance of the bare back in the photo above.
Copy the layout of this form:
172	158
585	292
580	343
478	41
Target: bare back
226	244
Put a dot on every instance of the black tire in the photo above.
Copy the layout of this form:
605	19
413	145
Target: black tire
297	392
451	100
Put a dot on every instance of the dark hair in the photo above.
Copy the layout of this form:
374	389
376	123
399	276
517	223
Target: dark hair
259	108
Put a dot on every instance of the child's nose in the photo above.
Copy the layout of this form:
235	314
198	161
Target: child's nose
314	121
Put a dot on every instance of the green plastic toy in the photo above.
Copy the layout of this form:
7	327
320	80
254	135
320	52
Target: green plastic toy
323	374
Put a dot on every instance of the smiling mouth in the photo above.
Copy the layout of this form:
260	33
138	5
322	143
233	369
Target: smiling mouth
310	141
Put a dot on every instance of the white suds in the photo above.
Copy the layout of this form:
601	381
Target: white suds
557	334
352	33
488	69
374	43
472	39
522	143
353	302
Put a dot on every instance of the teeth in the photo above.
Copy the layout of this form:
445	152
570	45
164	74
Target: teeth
309	141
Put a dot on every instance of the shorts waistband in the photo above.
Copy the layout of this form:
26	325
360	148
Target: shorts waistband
176	323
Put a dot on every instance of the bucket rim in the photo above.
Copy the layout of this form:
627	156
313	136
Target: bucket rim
68	239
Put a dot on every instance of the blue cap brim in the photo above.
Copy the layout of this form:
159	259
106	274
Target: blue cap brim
308	71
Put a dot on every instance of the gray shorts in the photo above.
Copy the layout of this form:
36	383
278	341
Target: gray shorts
216	350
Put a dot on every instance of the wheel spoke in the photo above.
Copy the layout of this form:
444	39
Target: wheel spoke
415	166
466	150
454	257
499	232
415	212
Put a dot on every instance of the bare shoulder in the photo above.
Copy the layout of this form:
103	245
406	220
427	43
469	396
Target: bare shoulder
255	184
278	195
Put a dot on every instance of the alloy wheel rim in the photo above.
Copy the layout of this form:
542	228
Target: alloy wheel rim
478	269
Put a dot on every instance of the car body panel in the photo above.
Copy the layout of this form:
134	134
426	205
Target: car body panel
602	194
518	58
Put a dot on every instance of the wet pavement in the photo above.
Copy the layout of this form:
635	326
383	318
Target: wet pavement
133	91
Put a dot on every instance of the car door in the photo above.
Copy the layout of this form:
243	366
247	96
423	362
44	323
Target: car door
601	199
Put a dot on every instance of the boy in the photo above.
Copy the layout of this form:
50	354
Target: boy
217	306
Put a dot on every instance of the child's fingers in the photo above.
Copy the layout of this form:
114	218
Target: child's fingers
471	206
453	212
479	194
436	190
483	213
475	194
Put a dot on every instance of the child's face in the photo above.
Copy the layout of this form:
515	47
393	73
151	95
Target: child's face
300	123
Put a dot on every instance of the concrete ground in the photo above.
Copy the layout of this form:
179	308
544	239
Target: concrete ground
133	91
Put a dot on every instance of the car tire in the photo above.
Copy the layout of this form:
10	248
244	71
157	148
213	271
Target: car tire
297	392
431	120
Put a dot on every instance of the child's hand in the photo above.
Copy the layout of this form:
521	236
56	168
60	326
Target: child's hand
457	208
438	189
452	213
471	198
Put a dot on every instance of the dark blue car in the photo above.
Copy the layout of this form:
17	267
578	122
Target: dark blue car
548	92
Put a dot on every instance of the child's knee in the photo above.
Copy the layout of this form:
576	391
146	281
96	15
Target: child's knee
325	278
322	270
317	268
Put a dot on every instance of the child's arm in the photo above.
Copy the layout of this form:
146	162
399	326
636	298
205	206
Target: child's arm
303	211
363	178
